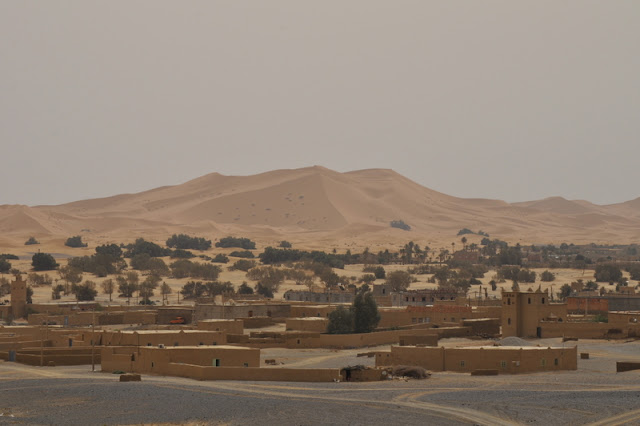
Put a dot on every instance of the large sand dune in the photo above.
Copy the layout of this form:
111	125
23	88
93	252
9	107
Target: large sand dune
318	206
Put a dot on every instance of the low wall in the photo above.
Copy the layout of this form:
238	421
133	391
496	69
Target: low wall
583	330
317	325
627	366
505	360
255	374
230	326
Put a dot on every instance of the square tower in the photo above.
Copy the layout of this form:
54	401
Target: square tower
18	297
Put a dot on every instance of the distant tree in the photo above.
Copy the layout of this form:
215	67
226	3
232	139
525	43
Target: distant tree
108	287
147	286
340	321
142	246
264	291
34	279
29	294
565	291
268	276
214	288
465	231
220	258
181	254
285	244
31	241
399	280
193	290
128	284
43	262
245	289
365	313
547	276
243	265
379	272
75	242
608	273
165	290
246	254
85	291
5	266
112	250
71	276
183	241
591	286
243	243
368	278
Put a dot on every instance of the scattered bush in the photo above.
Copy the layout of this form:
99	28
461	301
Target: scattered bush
608	273
245	289
183	241
245	254
399	280
31	241
182	254
243	243
243	265
285	244
43	262
547	276
75	242
141	246
220	258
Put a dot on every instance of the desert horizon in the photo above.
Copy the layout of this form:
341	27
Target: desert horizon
316	207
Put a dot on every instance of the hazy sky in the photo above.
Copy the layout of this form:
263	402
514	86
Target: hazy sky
515	100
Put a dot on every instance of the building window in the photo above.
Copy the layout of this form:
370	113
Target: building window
427	319
543	362
529	300
555	361
508	301
503	364
216	362
246	364
543	300
461	363
152	365
414	320
509	321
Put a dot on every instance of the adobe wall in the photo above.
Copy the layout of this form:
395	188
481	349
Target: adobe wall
484	326
425	357
255	374
257	322
587	330
166	337
168	313
418	340
230	326
306	311
210	311
505	360
591	304
153	360
313	324
513	361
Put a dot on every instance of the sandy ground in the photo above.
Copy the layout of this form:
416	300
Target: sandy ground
594	395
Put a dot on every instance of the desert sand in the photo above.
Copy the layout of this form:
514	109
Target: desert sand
315	207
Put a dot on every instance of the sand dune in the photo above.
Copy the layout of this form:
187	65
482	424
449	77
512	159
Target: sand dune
317	205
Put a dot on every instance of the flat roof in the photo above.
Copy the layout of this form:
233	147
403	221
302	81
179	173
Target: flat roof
225	347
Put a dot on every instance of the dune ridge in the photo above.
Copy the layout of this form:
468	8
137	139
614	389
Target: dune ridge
322	204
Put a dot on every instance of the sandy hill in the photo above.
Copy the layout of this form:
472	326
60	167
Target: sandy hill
318	206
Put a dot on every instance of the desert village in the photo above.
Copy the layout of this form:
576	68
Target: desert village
221	337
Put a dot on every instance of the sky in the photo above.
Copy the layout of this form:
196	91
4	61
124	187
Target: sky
512	100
